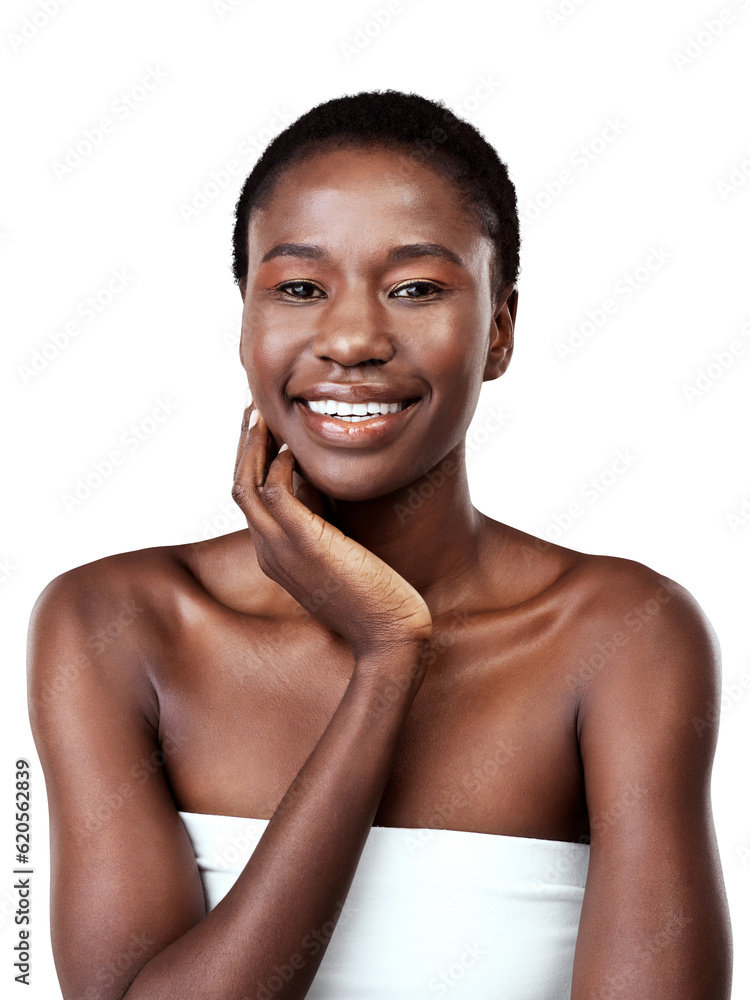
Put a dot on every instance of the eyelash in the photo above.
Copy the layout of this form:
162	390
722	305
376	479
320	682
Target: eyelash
410	284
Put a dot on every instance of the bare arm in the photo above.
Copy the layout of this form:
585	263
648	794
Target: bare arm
135	877
654	921
299	875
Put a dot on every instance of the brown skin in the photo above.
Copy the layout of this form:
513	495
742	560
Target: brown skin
449	640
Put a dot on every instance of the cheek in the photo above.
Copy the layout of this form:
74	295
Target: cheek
267	359
455	367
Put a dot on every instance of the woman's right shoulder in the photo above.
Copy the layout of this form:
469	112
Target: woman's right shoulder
168	580
150	581
107	619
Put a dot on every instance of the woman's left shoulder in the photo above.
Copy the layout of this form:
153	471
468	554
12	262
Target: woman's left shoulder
650	631
634	594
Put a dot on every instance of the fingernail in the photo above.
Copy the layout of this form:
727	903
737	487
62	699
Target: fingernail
253	419
248	396
284	447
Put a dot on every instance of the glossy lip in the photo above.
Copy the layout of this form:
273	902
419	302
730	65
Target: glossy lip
361	392
327	428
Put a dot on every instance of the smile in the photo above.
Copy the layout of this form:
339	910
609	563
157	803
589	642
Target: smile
353	412
355	424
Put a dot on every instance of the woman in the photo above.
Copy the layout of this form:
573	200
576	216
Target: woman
468	751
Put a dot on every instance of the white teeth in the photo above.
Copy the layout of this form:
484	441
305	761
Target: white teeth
352	411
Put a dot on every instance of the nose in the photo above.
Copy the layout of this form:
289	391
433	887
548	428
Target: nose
353	329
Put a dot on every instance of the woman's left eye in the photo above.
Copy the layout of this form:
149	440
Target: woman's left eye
430	287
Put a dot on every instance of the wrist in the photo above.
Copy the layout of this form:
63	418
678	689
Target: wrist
383	697
403	666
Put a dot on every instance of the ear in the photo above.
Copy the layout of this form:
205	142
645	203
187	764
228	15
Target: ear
243	287
501	333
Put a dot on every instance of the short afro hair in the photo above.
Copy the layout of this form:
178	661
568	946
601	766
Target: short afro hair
426	132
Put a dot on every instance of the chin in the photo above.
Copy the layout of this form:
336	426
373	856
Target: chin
349	487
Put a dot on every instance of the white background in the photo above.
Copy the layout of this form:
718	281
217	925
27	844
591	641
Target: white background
541	88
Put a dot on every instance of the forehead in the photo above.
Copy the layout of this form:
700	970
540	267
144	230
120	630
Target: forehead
353	197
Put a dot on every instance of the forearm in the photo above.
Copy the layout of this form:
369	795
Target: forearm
301	870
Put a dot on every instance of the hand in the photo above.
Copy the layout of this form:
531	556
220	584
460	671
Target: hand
345	586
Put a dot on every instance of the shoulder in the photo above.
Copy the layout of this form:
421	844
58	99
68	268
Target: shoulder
645	614
101	622
608	590
632	633
628	599
652	666
96	595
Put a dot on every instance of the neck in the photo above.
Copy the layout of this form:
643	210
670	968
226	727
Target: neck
428	531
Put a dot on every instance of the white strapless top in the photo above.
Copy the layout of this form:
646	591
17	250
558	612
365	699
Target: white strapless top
431	913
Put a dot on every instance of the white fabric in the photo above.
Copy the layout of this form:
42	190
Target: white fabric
430	913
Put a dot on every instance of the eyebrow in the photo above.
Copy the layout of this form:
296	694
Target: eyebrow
396	255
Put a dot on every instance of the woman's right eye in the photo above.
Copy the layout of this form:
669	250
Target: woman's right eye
300	289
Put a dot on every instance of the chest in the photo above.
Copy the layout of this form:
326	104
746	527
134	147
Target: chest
488	745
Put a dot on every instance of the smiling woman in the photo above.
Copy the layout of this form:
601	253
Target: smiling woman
402	749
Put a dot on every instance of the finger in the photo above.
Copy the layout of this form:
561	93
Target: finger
243	435
254	461
278	495
264	485
279	482
250	473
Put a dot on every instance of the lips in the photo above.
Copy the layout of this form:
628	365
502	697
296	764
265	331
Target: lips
362	392
355	429
355	414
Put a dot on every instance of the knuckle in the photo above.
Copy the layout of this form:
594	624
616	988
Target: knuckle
240	494
274	496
